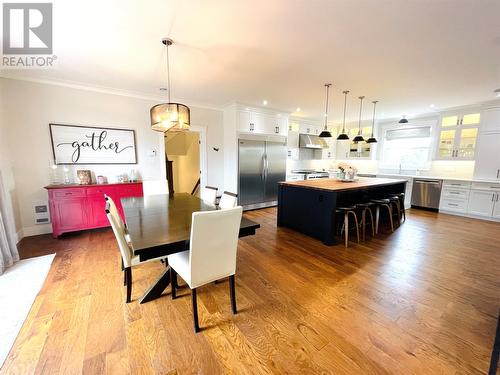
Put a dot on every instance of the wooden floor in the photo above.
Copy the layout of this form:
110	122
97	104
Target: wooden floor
423	300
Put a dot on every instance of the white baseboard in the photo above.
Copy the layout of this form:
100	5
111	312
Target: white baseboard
35	230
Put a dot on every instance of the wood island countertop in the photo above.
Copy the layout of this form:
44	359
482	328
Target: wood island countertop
330	184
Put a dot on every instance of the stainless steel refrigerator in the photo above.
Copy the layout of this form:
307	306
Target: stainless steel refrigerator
262	164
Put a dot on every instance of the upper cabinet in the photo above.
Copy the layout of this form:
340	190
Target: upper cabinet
251	121
491	120
457	135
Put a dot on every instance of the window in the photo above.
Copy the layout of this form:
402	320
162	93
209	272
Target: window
409	148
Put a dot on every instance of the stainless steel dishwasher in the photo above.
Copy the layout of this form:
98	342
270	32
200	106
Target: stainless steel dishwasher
426	193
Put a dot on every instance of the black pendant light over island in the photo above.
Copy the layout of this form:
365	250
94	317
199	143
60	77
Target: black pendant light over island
170	116
372	139
359	137
343	136
326	133
403	120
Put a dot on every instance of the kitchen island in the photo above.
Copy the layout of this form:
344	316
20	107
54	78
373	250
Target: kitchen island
309	206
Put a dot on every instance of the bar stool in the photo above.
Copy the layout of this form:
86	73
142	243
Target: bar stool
397	203
401	197
364	207
382	203
345	211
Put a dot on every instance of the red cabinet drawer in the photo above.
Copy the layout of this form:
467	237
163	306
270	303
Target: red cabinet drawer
100	191
70	193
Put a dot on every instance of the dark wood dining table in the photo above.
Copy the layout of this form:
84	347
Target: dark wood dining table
160	225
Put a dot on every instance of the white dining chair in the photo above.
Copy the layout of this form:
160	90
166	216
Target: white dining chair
126	249
212	254
209	194
228	200
155	187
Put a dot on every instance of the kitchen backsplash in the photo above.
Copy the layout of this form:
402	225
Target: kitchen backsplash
452	169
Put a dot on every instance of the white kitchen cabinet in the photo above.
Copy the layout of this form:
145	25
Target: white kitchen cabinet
342	149
455	196
491	120
293	154
487	165
496	208
457	135
255	122
310	128
481	202
328	153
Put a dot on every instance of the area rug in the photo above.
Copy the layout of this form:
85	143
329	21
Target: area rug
19	286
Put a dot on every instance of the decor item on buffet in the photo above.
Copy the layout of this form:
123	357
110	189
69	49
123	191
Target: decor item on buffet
68	175
84	176
347	172
133	176
102	180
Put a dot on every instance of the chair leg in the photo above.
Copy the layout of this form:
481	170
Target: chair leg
128	272
124	277
357	224
371	222
173	282
403	210
346	228
232	292
377	218
195	310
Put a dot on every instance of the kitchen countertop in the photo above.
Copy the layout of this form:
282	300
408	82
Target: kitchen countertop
433	177
330	184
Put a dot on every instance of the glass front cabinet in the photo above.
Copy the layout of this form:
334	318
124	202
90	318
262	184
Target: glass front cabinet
457	135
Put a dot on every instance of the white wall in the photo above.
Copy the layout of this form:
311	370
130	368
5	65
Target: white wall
29	107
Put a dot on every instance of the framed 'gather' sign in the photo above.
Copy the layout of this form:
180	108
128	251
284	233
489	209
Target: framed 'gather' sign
72	144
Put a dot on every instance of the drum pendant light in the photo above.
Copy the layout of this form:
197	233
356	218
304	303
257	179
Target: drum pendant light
359	137
326	133
372	139
170	116
343	136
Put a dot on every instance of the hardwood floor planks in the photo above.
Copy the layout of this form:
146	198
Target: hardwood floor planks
421	300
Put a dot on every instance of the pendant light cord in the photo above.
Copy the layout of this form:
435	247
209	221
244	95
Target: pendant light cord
327	85
373	121
360	109
345	106
168	76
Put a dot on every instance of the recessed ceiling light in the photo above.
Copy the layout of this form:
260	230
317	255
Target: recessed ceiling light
264	102
497	92
432	106
298	109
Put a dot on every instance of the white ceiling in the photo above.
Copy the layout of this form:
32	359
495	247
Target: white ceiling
406	53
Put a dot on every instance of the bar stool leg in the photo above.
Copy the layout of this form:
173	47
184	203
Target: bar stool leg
377	218
372	223
363	221
356	222
346	227
389	207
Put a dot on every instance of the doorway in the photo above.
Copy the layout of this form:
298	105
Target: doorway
182	151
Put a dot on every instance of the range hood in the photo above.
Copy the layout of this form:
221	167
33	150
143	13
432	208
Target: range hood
311	141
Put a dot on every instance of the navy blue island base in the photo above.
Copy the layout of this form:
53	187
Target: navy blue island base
309	206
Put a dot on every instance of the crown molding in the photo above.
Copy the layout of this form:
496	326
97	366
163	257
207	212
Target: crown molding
108	90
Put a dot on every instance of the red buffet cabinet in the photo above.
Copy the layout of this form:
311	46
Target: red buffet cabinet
80	207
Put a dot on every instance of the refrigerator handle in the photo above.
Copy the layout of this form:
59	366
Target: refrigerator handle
266	166
263	170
